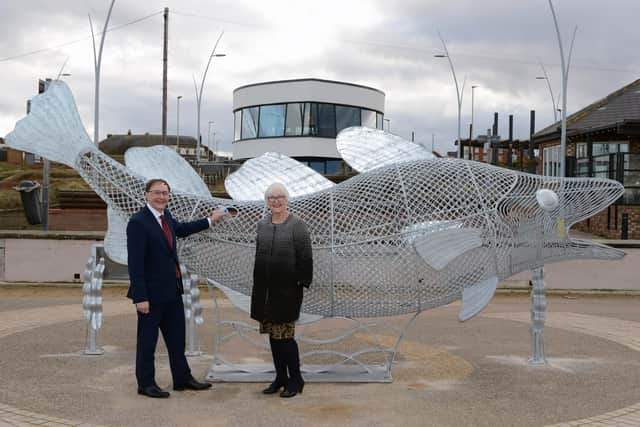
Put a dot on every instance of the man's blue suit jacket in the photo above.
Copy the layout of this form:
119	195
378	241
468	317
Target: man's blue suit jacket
152	262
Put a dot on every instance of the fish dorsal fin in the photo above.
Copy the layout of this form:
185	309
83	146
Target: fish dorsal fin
115	241
160	161
252	179
243	302
476	297
365	149
439	243
53	128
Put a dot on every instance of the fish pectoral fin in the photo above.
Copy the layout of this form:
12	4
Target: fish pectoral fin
476	297
439	248
239	300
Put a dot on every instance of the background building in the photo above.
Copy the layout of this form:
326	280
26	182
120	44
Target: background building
301	118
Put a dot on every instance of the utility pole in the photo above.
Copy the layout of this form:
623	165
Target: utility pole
164	75
532	130
510	142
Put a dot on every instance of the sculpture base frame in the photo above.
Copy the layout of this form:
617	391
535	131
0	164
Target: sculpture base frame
226	372
354	350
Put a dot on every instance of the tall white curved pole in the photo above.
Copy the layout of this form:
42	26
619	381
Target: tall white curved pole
199	97
565	78
97	61
459	94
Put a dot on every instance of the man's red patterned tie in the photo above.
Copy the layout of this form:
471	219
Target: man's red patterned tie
167	234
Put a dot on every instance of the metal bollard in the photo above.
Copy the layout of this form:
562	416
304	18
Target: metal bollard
538	316
192	310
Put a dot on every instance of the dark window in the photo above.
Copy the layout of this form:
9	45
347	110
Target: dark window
334	167
326	120
346	117
379	121
317	165
271	120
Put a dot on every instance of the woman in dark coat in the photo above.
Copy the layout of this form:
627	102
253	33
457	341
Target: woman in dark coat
283	266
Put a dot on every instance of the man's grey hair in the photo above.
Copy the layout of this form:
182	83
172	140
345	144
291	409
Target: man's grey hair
276	186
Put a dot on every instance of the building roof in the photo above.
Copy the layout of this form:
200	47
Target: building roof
618	108
118	144
307	80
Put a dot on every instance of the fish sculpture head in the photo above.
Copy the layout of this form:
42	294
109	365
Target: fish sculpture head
541	210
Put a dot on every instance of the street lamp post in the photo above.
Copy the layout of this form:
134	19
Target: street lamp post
565	78
97	62
199	94
459	93
178	98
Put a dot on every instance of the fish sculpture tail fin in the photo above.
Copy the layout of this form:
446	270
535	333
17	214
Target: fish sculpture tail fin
53	128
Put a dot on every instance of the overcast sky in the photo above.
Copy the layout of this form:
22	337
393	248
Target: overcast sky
389	45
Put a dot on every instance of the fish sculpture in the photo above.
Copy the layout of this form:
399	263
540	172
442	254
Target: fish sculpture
403	236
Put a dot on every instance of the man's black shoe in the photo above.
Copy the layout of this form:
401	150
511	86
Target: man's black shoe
192	384
153	391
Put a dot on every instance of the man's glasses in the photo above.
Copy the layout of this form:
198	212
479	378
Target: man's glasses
160	193
274	198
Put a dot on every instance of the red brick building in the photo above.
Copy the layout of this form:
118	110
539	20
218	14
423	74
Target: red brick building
603	140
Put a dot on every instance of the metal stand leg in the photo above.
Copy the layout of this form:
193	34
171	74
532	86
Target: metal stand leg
538	313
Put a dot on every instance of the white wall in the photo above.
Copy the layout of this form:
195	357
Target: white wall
44	260
292	147
308	90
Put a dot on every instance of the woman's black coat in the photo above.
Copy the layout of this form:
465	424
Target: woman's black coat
283	265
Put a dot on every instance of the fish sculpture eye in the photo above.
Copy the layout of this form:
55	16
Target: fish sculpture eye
547	199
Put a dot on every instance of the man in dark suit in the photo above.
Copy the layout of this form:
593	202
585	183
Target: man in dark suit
156	287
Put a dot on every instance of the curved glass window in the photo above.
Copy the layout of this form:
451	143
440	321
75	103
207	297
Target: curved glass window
346	117
237	125
294	119
326	120
271	121
250	123
334	167
310	121
368	118
301	119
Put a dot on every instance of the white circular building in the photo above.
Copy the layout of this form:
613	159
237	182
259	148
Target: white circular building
301	118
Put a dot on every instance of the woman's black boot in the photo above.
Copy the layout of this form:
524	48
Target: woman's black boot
295	384
280	364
